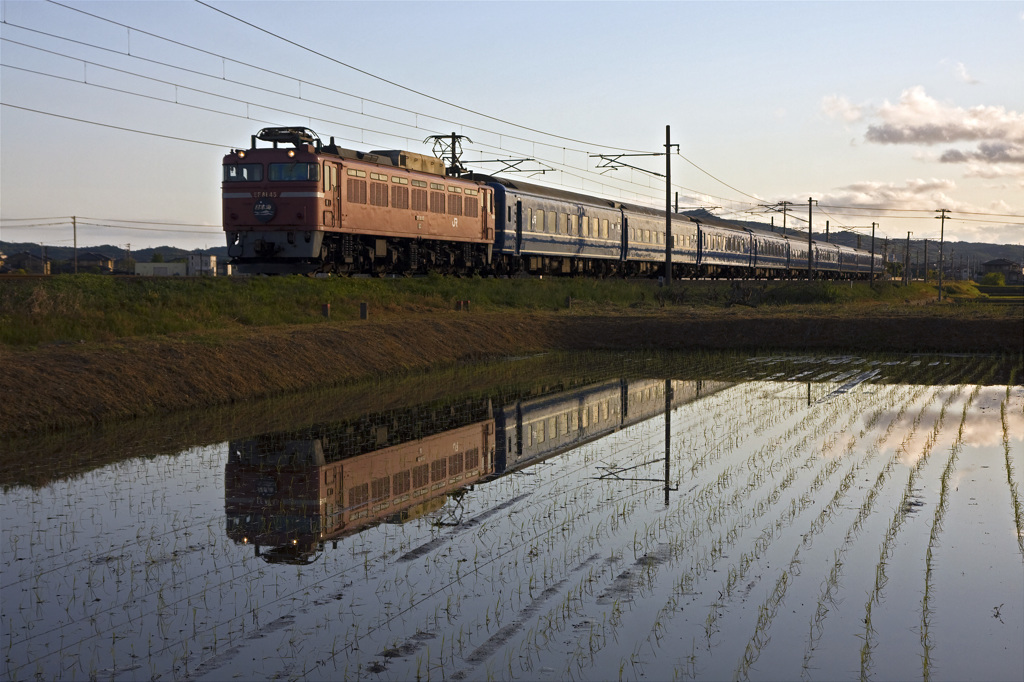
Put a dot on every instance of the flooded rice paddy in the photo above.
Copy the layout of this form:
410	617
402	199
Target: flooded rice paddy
559	518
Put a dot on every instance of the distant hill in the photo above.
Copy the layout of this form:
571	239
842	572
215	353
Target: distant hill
977	252
116	253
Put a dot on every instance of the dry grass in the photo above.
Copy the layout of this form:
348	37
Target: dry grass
63	385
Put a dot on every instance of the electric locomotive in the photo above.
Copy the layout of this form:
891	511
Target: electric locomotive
315	207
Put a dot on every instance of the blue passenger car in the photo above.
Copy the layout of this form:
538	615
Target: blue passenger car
644	241
541	230
725	251
771	255
826	260
853	263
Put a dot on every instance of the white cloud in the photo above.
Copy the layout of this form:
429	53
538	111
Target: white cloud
837	106
920	119
989	160
989	152
962	75
913	193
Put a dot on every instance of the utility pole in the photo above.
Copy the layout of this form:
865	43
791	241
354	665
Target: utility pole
74	232
785	205
926	261
906	261
873	252
828	240
885	257
614	162
668	205
810	248
129	257
942	235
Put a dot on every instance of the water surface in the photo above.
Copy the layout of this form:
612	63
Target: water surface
589	517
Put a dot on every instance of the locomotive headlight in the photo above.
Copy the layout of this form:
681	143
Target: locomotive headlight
241	153
291	152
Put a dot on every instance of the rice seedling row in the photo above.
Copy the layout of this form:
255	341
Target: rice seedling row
741	556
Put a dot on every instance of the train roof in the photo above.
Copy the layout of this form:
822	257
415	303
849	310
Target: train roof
562	194
701	216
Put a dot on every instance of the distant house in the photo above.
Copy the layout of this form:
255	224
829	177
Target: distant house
29	262
1010	270
92	260
160	269
201	265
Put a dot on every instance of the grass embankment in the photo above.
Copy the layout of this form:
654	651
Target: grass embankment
72	308
79	350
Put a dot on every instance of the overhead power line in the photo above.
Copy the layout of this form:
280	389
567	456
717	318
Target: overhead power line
638	192
249	103
330	59
148	229
108	125
390	82
420	93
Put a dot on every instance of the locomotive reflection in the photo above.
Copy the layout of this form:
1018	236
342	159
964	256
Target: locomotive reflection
292	492
289	493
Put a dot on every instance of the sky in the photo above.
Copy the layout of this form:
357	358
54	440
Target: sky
119	113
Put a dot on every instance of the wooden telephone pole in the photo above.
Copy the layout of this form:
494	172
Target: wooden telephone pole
942	235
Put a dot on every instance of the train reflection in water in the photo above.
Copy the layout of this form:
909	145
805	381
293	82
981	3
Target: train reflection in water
289	493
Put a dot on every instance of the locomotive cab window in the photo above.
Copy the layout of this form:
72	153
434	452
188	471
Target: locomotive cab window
243	172
293	172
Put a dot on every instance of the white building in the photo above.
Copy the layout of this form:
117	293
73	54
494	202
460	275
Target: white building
201	265
195	265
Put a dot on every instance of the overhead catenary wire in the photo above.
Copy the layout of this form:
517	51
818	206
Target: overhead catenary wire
333	60
300	81
234	99
114	127
647	192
